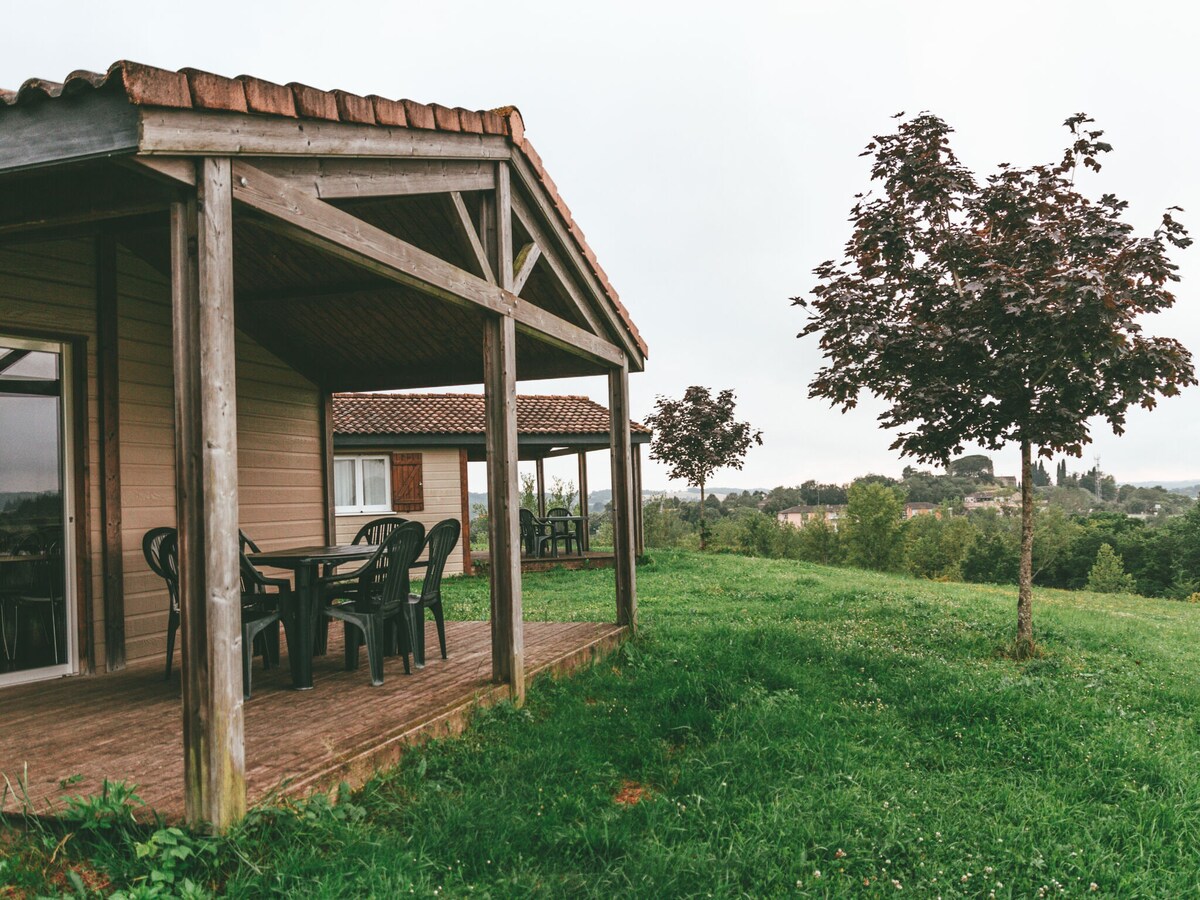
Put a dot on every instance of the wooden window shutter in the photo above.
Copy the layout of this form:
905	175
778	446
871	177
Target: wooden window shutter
408	482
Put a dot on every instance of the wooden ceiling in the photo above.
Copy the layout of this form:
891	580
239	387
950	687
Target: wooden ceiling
335	323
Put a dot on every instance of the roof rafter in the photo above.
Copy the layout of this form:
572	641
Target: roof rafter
317	223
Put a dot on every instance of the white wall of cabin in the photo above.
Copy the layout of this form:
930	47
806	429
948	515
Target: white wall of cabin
442	476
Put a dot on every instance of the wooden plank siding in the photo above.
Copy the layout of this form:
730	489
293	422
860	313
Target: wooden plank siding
444	491
49	289
281	491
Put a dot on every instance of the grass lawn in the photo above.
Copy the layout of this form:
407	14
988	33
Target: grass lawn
777	729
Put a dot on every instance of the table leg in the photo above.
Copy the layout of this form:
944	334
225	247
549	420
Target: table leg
301	656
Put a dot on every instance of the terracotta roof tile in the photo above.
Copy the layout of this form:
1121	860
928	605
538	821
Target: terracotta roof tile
419	115
267	98
209	91
464	414
312	103
389	112
150	86
353	108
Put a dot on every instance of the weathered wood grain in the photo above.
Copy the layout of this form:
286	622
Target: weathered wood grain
199	132
460	217
316	223
108	380
523	266
624	547
344	729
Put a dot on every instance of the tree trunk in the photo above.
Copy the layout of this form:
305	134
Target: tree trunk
1024	645
703	542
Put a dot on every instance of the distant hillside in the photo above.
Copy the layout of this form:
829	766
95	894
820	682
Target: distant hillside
597	500
1189	488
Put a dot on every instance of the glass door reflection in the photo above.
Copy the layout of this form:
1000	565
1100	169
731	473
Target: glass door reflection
35	611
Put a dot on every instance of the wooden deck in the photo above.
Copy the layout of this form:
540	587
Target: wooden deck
126	726
590	559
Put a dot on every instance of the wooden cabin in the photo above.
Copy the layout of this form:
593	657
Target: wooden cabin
190	267
426	441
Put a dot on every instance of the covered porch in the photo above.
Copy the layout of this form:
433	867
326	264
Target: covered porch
217	244
295	742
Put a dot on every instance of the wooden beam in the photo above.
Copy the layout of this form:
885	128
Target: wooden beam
88	125
185	327
504	526
577	262
566	283
523	266
540	467
639	535
108	385
460	218
503	449
316	223
177	170
583	501
80	434
207	502
622	497
191	132
335	179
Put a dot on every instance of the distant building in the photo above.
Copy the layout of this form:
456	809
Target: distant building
1006	480
912	510
989	500
800	516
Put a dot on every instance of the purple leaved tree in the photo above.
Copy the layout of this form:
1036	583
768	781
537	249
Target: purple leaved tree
993	313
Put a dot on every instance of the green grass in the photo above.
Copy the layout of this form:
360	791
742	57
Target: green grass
784	718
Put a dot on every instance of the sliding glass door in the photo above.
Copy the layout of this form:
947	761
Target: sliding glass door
37	618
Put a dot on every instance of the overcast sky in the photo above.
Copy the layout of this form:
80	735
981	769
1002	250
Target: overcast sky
710	152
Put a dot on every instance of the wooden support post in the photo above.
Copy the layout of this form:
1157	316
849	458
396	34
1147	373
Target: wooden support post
500	402
504	526
109	389
207	499
639	532
540	467
622	496
586	543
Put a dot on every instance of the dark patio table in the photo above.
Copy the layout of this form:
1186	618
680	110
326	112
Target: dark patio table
306	562
577	521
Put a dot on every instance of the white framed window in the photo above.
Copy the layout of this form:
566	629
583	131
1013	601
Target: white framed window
361	485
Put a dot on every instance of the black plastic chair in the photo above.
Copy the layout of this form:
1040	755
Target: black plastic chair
379	614
377	531
260	609
262	613
152	549
44	594
441	540
534	532
373	534
561	530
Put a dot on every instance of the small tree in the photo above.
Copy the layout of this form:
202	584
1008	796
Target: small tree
1108	575
697	435
1007	312
873	516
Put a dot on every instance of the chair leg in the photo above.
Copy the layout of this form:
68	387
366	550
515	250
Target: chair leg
416	627
440	619
247	657
374	649
172	630
351	633
271	638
